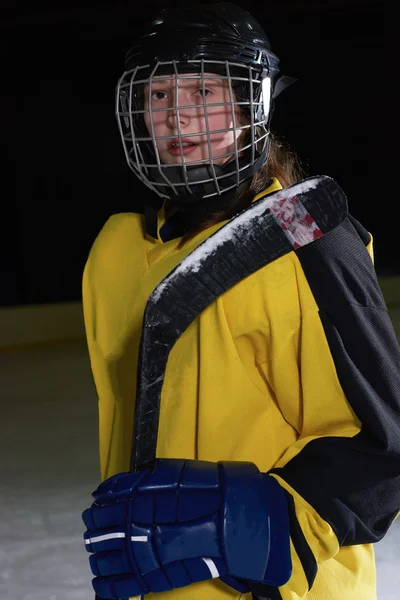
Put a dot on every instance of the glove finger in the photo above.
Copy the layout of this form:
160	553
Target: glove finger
177	574
87	518
200	569
104	540
156	509
104	517
115	588
198	486
104	564
104	491
157	581
183	573
150	506
164	478
143	550
119	487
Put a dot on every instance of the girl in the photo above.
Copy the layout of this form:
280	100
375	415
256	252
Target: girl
238	329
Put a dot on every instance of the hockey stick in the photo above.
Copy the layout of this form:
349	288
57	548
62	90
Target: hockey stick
272	227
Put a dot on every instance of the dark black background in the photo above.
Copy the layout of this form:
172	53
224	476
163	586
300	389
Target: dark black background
64	171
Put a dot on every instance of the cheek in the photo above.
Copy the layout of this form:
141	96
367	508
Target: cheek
222	120
157	119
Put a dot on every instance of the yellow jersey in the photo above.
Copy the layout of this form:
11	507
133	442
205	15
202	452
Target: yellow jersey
294	368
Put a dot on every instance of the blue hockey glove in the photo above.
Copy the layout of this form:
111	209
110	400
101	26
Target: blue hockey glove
187	521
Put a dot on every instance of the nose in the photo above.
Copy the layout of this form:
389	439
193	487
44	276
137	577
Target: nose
178	114
173	121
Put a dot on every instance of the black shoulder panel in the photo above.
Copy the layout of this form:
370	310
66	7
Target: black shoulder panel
353	483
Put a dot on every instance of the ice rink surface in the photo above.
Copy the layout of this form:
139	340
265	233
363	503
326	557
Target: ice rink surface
49	466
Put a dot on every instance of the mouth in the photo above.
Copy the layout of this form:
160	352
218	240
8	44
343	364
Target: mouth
187	145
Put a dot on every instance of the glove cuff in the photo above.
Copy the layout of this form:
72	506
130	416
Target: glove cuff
254	524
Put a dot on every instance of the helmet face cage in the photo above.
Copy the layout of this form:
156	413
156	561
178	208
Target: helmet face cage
249	88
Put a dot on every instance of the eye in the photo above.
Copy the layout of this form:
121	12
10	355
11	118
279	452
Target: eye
204	92
158	95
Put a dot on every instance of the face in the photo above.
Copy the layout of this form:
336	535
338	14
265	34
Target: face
191	119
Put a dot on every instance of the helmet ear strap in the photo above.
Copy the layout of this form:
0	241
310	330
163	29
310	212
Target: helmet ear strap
281	84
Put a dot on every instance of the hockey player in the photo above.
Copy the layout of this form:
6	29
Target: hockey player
238	330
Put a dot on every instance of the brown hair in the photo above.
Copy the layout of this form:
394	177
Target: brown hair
283	163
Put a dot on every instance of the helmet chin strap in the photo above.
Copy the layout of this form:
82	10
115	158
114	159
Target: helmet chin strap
186	201
199	173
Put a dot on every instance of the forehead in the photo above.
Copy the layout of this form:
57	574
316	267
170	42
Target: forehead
188	79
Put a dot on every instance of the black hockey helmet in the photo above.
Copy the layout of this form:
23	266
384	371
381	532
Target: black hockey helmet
219	38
